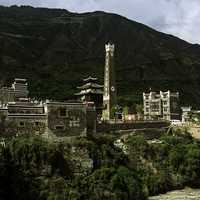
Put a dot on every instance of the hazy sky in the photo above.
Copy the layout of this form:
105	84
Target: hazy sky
178	17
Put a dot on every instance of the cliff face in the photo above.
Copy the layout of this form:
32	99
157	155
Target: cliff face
55	49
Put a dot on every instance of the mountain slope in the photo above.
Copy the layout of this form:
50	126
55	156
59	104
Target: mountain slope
55	49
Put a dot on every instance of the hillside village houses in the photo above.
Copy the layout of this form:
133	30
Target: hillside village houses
24	116
21	115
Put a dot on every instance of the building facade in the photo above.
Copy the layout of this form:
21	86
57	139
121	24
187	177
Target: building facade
22	116
186	113
90	92
162	105
18	90
66	119
110	93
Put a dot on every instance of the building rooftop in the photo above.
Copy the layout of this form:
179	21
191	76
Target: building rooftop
90	78
65	103
89	91
161	93
20	80
90	85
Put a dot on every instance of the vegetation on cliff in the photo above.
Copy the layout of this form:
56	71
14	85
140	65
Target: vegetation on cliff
33	168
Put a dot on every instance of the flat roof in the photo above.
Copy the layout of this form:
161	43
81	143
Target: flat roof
20	79
66	103
26	115
26	106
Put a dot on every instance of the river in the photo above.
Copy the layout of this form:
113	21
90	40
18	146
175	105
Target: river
185	194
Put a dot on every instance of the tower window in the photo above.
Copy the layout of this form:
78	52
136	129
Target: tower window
165	110
63	112
165	102
112	88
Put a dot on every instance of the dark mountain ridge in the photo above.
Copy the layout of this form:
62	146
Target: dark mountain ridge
55	49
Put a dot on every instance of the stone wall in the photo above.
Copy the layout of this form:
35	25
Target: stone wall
27	125
110	127
91	120
67	119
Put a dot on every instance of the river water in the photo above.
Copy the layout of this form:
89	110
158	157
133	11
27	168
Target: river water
185	194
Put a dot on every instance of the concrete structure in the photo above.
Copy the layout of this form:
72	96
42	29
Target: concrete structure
162	105
110	94
185	113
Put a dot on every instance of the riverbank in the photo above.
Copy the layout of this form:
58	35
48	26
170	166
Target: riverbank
186	194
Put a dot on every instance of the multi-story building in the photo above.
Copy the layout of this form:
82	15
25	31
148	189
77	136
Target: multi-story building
18	90
20	115
90	92
20	87
162	105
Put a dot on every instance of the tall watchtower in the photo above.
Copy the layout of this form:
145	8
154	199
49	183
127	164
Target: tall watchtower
110	94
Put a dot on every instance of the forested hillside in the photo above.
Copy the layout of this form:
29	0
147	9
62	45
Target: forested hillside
55	49
95	169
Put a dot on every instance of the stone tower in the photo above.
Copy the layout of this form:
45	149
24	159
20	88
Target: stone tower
110	94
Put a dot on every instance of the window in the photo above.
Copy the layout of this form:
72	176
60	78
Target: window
60	127
37	123
147	117
74	122
147	109
22	124
147	103
21	111
155	107
165	109
63	112
164	102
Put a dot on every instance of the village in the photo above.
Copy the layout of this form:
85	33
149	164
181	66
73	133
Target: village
94	109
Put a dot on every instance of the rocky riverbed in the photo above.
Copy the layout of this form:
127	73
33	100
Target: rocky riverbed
185	194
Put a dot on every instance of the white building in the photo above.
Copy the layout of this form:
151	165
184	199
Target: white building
161	105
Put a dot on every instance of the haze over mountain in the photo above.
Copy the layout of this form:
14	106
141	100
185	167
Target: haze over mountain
176	17
55	49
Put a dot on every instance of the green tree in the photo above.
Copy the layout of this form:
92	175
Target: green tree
139	108
126	110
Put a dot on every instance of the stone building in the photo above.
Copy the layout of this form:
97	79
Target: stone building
162	105
91	91
7	94
24	116
110	94
19	89
27	117
66	119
